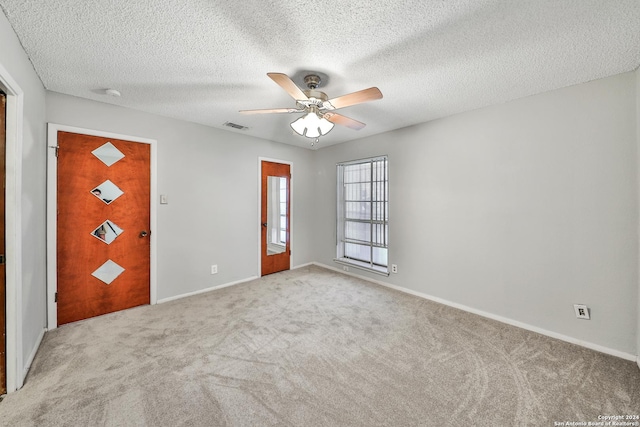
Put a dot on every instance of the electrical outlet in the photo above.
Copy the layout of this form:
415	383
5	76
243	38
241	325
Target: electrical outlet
582	311
394	268
345	268
214	269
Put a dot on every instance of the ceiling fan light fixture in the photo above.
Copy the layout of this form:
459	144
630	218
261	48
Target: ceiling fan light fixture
312	126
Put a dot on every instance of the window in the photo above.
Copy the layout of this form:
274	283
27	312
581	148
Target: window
363	212
277	213
282	212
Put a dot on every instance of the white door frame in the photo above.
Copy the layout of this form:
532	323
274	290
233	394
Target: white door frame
52	208
259	222
13	229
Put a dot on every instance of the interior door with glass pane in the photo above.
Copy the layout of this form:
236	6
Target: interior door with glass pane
275	213
103	221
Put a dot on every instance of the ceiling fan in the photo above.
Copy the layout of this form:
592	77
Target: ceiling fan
319	116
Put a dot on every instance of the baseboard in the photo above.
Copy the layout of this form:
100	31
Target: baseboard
304	265
202	291
566	338
32	355
213	288
638	361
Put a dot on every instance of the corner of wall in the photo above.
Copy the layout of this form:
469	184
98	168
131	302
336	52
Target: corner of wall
638	169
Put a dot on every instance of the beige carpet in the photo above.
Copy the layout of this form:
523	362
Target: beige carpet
311	347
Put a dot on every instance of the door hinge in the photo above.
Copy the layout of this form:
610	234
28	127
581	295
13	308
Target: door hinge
57	147
2	260
55	298
289	252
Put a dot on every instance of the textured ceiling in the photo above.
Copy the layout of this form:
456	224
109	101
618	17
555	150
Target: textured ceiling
203	60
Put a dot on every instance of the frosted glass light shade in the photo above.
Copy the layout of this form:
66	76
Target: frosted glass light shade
311	126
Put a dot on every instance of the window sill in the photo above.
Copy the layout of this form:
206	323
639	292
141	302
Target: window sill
383	271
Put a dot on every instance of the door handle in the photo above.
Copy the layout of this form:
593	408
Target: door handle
264	224
143	233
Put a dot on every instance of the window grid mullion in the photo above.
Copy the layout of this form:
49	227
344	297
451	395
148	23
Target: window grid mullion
372	213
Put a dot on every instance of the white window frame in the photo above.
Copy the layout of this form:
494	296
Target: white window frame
341	219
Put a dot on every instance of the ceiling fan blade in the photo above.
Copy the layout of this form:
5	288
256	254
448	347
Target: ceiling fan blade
287	84
272	110
339	119
354	98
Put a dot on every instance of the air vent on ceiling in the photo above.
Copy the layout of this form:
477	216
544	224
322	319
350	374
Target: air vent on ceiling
235	126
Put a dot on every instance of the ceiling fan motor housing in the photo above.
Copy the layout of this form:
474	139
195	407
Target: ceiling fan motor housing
312	81
319	96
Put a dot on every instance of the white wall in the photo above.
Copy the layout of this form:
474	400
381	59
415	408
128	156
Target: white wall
32	195
519	210
211	179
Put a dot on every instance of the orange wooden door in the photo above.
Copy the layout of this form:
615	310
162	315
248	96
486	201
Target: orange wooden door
103	221
3	284
275	216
